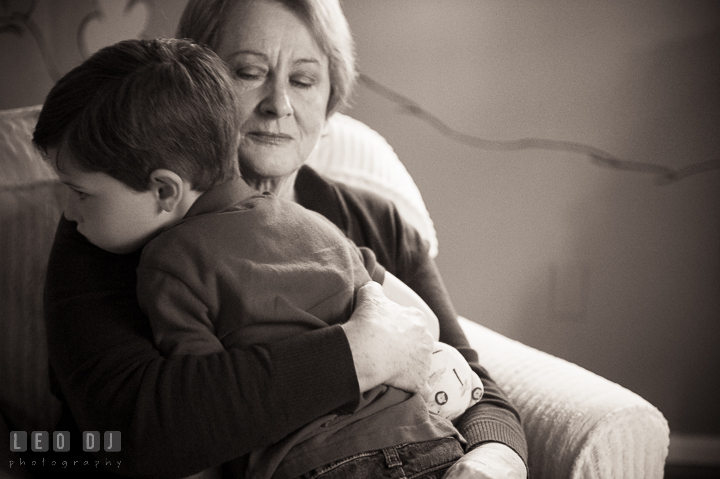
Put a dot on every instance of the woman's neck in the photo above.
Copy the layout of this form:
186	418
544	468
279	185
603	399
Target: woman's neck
281	186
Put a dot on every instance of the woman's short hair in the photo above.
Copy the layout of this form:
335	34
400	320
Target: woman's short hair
204	20
141	105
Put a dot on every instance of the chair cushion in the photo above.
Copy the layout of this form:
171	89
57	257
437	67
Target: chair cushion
29	212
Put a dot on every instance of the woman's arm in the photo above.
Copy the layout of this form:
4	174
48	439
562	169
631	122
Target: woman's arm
374	222
185	414
494	418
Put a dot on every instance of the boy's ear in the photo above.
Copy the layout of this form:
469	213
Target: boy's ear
168	187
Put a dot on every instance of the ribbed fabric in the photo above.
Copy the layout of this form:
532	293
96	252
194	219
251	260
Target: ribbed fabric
578	425
29	211
20	163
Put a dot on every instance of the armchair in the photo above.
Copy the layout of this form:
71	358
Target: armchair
578	424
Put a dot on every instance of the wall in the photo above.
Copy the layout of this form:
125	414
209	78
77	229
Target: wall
602	267
43	39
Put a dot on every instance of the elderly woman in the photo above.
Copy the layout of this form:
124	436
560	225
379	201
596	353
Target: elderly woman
293	67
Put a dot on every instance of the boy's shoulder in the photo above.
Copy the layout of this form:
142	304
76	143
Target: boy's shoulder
238	229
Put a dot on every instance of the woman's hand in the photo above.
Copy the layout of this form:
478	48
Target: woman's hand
491	460
390	343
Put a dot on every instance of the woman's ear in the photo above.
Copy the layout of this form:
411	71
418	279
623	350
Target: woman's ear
168	188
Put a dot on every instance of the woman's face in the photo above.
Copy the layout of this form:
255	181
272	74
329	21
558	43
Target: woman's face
283	84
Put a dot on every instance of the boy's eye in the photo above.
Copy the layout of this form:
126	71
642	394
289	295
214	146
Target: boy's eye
81	195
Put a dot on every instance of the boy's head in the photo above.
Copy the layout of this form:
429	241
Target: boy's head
153	119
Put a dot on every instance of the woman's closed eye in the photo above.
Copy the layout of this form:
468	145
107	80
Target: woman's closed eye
300	80
303	81
251	73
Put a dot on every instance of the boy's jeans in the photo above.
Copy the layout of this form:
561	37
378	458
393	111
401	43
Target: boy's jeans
422	460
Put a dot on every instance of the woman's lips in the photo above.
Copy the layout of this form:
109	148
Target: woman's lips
269	138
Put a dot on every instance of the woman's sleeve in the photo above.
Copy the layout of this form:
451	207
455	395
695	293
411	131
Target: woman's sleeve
494	418
183	414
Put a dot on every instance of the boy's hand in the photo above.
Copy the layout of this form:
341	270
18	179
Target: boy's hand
390	343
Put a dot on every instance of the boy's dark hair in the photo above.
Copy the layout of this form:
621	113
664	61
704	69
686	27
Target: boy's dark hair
140	105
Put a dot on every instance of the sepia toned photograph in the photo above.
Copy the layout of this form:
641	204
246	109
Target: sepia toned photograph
329	239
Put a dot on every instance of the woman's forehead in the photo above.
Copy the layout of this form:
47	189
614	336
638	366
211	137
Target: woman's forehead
266	25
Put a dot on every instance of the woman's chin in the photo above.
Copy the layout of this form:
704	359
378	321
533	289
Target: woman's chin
271	164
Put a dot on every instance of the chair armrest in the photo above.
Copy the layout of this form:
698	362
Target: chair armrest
578	425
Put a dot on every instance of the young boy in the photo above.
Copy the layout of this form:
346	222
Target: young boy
147	144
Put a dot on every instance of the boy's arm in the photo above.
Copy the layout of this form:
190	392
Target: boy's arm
179	318
401	293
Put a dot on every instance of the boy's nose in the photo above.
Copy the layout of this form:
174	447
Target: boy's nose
70	210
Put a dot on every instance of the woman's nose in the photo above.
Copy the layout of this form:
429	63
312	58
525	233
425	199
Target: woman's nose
276	101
